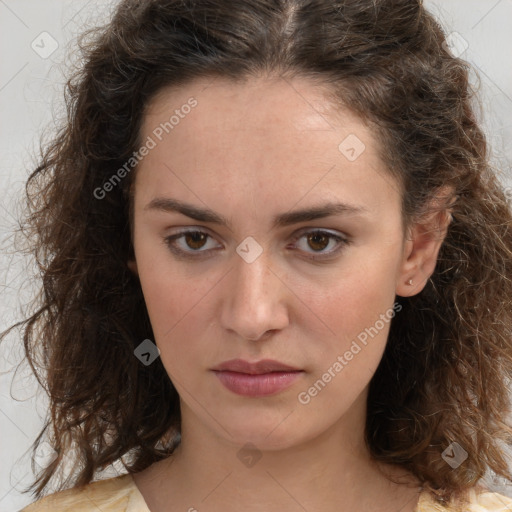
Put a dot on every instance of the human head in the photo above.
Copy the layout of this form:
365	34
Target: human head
251	152
397	77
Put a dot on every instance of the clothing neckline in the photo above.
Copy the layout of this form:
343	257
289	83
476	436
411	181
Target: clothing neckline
140	502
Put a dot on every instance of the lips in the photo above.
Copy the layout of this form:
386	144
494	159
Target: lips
257	368
259	379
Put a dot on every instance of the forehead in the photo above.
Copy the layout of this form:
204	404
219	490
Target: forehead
258	137
252	100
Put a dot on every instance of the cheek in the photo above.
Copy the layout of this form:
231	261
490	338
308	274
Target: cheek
356	297
172	302
177	305
342	365
359	325
162	297
358	309
162	288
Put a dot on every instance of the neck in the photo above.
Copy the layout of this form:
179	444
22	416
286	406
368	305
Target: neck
331	471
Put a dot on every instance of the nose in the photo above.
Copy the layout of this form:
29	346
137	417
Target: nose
255	300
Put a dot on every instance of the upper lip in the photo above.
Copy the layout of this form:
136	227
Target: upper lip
258	367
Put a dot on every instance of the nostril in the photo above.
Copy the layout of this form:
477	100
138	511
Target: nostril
266	334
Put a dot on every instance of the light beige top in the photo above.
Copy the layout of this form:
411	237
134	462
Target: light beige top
120	494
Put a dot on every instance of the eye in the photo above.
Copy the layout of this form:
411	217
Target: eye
319	240
192	241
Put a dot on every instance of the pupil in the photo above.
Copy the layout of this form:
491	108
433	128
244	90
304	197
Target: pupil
195	237
315	238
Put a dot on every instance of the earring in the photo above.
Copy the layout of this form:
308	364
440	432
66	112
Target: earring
409	282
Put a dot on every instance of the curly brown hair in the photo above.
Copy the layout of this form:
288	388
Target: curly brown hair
448	360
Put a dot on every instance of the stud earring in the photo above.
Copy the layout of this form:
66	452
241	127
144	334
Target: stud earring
409	282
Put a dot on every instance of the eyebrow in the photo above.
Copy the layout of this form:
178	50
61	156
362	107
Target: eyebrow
167	204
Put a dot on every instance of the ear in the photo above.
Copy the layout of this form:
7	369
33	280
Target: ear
423	243
132	265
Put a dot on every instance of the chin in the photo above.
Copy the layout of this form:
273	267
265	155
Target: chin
274	433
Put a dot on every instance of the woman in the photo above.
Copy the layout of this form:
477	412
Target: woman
275	265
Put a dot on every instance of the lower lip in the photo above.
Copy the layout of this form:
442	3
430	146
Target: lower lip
264	384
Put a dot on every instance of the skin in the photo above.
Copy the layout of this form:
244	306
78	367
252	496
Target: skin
250	151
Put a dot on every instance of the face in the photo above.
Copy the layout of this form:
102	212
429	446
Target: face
243	272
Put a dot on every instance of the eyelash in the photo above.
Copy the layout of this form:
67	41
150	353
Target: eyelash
170	242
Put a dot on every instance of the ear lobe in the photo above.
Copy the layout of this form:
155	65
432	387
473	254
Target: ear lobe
421	250
132	265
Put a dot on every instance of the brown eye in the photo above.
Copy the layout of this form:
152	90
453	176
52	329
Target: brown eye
320	244
318	241
190	243
195	239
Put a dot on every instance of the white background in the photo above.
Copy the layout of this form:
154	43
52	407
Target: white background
31	99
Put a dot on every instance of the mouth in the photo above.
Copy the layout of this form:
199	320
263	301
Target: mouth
262	378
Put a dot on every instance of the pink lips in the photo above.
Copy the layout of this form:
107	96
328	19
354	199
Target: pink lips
263	378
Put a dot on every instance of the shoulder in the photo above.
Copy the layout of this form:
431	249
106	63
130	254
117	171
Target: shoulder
479	500
118	494
491	501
